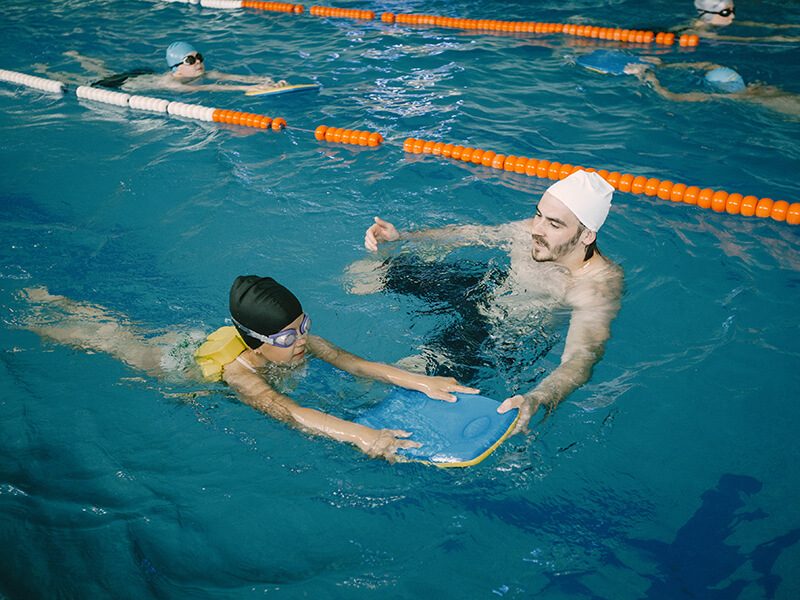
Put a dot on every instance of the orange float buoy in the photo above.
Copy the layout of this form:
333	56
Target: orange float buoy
793	214
676	195
748	206
408	145
466	154
625	182
733	204
499	161
651	186
447	150
522	165
704	198
779	210
613	179
764	208
511	163
719	201
665	190
637	187
690	194
488	158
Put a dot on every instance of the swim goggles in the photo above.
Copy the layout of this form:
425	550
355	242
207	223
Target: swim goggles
190	60
725	12
282	339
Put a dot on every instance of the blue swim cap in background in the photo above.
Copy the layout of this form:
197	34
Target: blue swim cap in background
177	51
726	80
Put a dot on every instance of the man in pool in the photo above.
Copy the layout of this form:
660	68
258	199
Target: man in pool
270	335
554	261
187	73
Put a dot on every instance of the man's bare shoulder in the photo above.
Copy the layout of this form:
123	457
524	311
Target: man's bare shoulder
600	287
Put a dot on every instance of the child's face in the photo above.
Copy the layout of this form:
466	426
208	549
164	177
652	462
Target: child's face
294	354
186	70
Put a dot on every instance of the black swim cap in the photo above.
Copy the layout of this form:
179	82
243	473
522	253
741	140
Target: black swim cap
263	305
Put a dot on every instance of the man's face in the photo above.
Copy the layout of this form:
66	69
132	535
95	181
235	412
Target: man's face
555	230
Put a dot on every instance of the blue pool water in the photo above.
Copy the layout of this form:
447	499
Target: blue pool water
672	474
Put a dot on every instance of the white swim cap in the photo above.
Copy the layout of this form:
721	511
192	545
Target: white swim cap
587	195
713	5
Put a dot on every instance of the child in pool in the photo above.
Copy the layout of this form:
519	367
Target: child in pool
187	73
270	328
720	83
723	83
715	14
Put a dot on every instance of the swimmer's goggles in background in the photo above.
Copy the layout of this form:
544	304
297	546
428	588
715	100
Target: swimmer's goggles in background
725	12
189	60
282	339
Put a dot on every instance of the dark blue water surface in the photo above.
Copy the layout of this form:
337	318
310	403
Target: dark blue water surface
672	474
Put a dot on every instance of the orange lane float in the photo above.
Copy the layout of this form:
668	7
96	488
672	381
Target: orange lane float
717	200
285	7
244	119
341	13
355	137
589	31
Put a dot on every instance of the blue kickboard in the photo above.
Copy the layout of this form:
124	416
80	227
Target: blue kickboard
608	62
452	434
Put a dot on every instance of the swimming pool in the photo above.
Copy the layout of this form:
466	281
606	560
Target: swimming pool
671	474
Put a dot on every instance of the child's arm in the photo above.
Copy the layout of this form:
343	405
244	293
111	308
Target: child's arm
439	388
253	390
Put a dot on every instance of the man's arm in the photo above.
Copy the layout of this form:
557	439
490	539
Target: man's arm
453	235
439	388
254	391
594	306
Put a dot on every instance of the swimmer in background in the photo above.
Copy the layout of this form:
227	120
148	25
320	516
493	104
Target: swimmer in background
723	83
270	336
715	14
187	73
555	261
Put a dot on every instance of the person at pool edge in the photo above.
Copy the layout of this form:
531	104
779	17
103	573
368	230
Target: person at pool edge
269	329
562	232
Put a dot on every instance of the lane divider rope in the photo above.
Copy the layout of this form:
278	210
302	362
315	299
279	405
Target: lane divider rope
717	200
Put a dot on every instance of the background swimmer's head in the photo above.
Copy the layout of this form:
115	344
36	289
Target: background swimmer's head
723	79
263	305
176	57
715	12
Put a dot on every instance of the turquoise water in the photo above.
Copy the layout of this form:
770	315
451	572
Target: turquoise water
671	474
